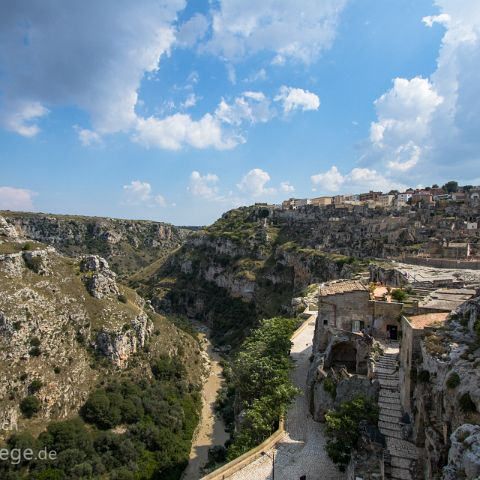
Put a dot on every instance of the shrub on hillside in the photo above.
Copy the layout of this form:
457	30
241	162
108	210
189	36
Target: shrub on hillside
453	380
399	295
29	406
156	419
343	428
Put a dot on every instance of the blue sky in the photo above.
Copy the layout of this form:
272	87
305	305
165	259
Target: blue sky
179	111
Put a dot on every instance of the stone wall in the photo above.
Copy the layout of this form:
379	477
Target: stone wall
342	310
441	262
384	314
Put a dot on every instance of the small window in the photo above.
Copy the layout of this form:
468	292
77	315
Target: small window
357	326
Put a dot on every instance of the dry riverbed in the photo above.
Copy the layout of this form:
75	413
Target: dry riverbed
211	429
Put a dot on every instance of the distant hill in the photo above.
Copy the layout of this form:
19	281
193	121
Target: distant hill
128	245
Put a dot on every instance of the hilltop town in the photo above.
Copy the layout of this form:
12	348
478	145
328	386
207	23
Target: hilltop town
429	196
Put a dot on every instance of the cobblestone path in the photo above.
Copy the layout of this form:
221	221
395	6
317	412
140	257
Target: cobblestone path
301	452
401	454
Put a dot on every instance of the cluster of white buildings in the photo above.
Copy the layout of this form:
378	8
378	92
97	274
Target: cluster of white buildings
389	200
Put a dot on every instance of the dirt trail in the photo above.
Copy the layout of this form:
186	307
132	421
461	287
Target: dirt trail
211	430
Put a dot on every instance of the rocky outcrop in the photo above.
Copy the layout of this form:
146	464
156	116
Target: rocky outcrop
447	391
39	260
11	264
329	382
54	333
99	280
7	230
120	345
127	244
464	454
386	275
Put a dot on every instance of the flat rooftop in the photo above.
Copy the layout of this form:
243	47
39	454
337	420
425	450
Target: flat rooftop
346	286
427	319
447	299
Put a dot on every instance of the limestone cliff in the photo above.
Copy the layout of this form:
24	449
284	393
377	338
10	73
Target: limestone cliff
446	398
66	324
247	265
127	244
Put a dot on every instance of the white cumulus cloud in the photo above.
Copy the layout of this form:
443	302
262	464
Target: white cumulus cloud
113	44
140	193
222	129
355	181
16	199
297	98
88	137
204	186
22	117
286	187
289	29
425	123
192	30
179	130
254	183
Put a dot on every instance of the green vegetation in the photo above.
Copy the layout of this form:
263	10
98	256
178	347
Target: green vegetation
453	380
343	428
35	386
466	404
476	327
122	298
35	342
330	387
230	317
29	406
35	352
260	375
154	420
399	295
451	187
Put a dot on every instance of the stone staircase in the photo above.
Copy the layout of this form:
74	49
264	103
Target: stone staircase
400	456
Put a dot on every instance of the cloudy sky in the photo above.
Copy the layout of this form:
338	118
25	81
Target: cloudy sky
179	110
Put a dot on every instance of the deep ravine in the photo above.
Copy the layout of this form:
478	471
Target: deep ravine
211	428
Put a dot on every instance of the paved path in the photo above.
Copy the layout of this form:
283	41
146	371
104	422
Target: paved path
302	451
402	454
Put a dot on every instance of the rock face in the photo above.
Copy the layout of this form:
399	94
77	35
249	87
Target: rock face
39	260
243	266
329	382
54	331
121	344
127	244
99	279
7	230
12	264
447	395
464	454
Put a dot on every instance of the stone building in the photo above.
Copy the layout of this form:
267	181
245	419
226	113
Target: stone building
414	329
347	305
456	250
321	201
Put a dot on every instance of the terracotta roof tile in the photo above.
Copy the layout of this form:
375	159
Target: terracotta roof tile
345	286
